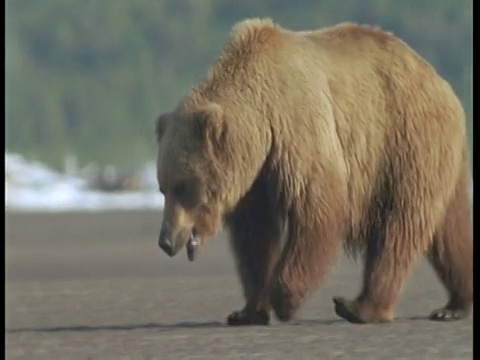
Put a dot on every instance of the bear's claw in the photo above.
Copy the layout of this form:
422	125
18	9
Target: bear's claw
445	314
242	318
346	309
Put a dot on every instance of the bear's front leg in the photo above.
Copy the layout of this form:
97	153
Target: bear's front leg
255	238
312	247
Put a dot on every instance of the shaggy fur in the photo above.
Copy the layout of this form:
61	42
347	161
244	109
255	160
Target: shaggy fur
347	137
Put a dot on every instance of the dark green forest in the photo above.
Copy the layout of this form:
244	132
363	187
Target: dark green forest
88	78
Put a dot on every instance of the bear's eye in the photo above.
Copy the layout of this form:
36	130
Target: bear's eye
180	189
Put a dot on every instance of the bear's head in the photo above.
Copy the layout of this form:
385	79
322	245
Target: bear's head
190	176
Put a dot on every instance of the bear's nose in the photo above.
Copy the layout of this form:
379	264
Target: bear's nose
165	242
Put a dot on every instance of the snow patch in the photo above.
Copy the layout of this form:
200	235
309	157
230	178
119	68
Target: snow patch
33	186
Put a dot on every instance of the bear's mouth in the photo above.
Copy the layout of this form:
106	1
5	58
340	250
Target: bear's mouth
193	245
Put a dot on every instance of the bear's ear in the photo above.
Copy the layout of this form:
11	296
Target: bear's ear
161	125
209	123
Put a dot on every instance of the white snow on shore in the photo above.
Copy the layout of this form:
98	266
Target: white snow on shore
33	186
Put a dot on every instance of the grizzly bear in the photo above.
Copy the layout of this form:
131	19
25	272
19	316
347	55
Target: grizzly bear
342	137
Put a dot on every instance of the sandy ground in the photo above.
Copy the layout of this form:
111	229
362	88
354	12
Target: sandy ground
96	286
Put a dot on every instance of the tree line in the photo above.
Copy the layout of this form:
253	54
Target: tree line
88	78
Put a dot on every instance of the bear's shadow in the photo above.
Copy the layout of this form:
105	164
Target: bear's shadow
118	327
315	322
183	325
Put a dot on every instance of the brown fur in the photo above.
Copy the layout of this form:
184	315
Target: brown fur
344	134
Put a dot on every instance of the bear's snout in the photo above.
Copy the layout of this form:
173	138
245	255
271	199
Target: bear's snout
173	238
165	242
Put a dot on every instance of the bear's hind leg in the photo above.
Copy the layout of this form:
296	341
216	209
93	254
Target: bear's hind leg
451	255
389	258
412	206
255	239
